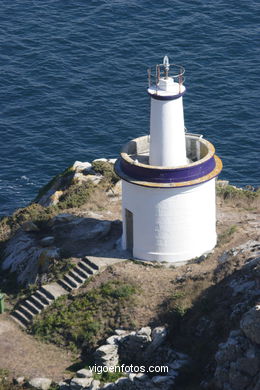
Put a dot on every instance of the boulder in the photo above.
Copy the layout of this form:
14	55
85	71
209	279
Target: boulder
84	373
79	383
80	166
40	383
146	331
159	335
106	349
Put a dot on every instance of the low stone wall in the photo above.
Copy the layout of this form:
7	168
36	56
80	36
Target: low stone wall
137	351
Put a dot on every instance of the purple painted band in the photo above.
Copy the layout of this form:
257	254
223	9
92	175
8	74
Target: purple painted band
174	175
161	97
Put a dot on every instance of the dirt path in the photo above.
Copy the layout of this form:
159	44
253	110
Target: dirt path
23	355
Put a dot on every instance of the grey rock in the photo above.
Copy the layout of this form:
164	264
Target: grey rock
250	324
239	286
106	349
78	230
95	385
47	241
159	335
63	386
84	373
224	257
146	331
113	340
40	383
79	383
80	166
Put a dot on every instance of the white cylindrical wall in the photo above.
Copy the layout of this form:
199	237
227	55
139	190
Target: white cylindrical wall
167	135
172	225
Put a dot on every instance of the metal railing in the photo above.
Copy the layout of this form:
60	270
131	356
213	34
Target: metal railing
165	70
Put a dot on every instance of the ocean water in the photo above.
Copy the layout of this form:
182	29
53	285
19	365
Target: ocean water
73	82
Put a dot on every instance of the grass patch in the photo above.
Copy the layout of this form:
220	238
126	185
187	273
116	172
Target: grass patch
108	377
226	235
78	322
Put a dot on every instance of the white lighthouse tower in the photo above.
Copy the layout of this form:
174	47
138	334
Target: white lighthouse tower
168	180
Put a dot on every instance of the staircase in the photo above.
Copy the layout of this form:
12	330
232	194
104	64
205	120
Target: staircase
46	295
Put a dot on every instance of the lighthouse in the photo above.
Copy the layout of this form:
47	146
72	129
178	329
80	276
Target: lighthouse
168	179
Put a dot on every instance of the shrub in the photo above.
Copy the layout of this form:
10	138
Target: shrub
76	195
105	169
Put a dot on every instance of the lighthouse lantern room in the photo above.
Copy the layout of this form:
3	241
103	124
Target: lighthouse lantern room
168	180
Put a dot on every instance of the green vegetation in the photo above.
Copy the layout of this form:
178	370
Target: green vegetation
76	195
34	212
108	377
106	169
231	192
227	234
5	383
82	320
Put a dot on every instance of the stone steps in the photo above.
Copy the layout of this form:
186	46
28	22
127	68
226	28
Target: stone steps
46	295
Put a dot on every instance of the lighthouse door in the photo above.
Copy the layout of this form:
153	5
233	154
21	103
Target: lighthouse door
129	230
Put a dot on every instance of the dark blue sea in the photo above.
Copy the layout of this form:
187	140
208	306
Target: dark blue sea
73	82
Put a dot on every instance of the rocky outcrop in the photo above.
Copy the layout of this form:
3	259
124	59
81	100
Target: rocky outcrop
238	358
238	363
250	324
79	173
25	255
31	254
